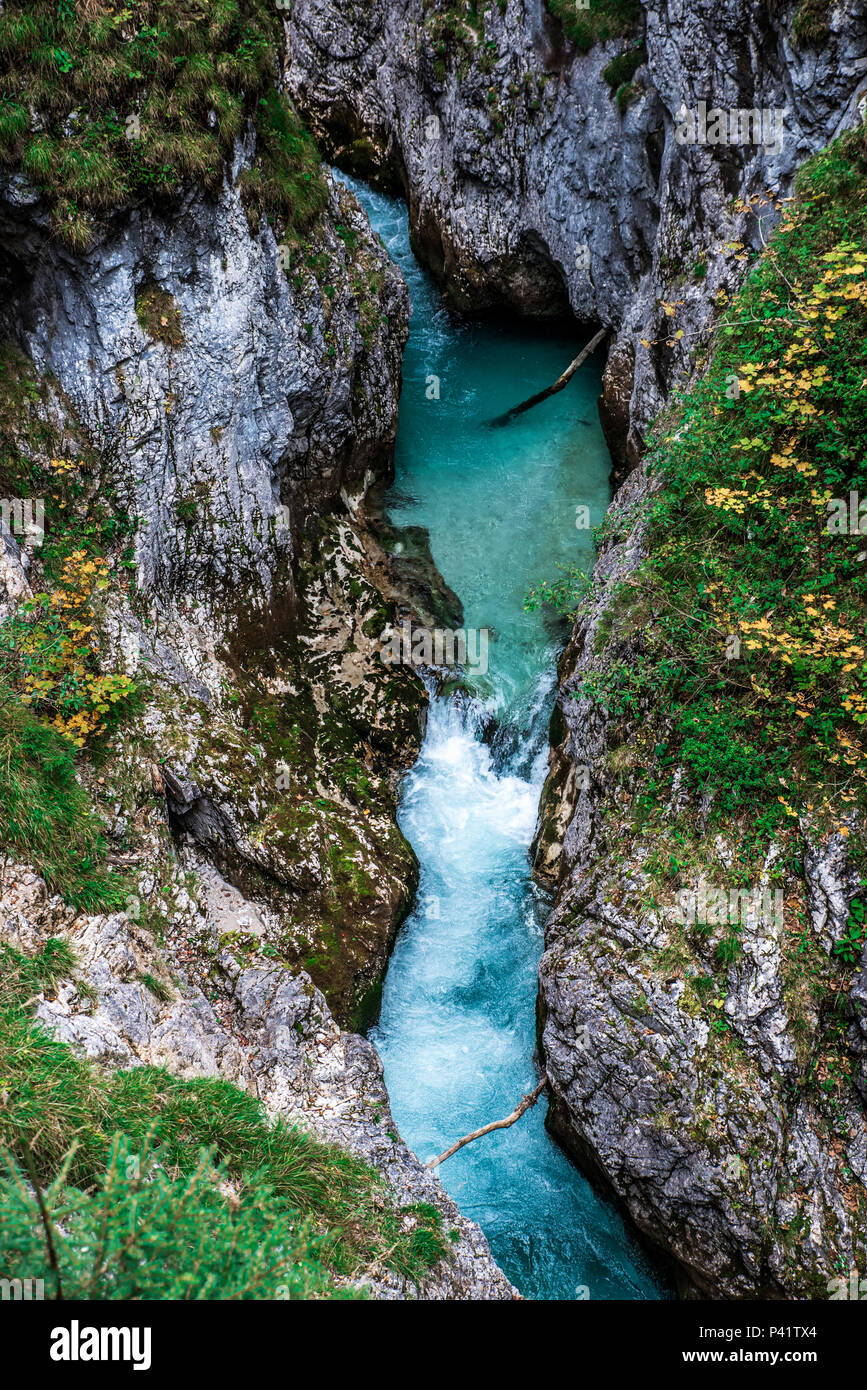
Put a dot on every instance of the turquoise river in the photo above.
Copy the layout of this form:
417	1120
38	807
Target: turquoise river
457	1029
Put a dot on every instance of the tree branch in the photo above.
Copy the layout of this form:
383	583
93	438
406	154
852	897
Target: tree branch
525	1103
561	381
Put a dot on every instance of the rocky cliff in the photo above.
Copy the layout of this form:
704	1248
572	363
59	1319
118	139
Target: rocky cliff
239	418
544	172
702	987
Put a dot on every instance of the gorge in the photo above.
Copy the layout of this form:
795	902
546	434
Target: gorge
250	858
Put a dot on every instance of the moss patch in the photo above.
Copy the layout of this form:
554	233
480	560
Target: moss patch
159	315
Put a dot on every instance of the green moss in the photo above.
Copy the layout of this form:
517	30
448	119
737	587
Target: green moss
596	23
159	315
625	95
621	70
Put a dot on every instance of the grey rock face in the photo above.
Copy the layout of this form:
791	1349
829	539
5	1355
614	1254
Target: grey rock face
220	444
240	411
693	1108
527	186
268	1032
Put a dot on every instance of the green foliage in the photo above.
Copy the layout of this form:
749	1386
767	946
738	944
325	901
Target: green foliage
49	647
850	946
565	595
45	814
739	546
135	102
603	20
286	184
141	1233
112	1146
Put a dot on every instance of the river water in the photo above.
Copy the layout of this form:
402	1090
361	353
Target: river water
457	1029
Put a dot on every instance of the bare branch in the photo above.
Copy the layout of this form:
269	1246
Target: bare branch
561	381
525	1103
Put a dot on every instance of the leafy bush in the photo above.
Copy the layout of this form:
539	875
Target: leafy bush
565	595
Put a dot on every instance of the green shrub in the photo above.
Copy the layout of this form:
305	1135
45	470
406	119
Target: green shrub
141	1233
134	1163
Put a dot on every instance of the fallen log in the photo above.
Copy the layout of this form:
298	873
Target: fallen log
524	1104
561	381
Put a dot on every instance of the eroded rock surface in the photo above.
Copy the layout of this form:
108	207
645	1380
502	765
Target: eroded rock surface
690	1090
530	186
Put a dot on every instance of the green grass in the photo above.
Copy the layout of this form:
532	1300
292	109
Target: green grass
605	19
286	183
811	23
739	546
45	814
622	69
134	1167
135	102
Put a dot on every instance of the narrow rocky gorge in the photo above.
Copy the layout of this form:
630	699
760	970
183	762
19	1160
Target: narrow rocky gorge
532	188
216	401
